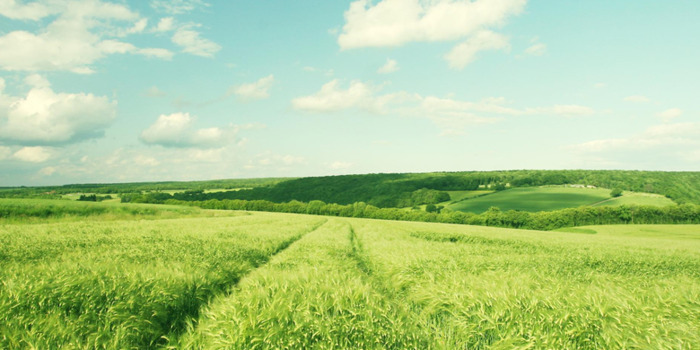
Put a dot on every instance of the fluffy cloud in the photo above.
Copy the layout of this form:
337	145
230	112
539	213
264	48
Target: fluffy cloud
333	98
254	91
268	160
165	24
192	43
463	54
670	114
82	33
177	7
445	112
177	130
397	22
667	146
34	154
47	171
46	117
389	67
561	110
32	11
537	49
684	137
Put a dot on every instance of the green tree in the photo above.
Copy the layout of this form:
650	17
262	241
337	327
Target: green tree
616	192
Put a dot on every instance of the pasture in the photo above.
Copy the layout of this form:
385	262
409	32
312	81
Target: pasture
547	198
286	281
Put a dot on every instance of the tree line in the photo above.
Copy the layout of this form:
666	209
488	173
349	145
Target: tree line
546	220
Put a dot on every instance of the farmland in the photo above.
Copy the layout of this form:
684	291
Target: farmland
548	198
254	280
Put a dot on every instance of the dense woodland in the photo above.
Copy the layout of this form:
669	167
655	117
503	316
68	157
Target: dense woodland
134	187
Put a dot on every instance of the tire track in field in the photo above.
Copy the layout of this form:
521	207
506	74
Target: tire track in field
191	319
404	307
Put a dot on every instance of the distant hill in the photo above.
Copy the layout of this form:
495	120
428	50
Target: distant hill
411	189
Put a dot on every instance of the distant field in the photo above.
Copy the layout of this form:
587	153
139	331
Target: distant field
285	281
534	199
547	198
460	195
637	199
42	210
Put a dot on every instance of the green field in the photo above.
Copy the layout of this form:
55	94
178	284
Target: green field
548	198
285	281
637	199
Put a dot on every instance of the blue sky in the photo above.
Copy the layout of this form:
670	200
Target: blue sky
116	91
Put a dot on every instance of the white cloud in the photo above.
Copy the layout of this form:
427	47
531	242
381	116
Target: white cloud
338	165
447	113
269	160
463	54
47	117
397	22
192	43
81	34
389	67
333	98
47	171
34	154
143	160
31	11
177	130
561	110
670	114
177	7
636	98
154	91
685	135
254	91
666	146
537	49
165	24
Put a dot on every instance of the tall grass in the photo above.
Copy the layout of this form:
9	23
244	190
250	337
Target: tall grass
123	284
313	296
481	288
47	210
283	281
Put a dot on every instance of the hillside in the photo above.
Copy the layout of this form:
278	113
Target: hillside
404	190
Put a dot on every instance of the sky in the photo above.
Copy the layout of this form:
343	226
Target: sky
103	91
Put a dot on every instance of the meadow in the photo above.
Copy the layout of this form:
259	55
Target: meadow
547	198
256	280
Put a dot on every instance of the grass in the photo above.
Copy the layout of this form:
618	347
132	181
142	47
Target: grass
456	196
48	210
636	198
548	198
284	281
128	284
486	288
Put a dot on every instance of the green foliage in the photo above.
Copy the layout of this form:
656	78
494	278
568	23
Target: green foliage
533	199
55	192
616	192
